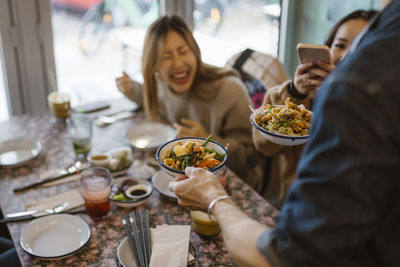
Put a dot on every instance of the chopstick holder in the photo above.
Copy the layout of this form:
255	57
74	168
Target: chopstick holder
170	245
73	197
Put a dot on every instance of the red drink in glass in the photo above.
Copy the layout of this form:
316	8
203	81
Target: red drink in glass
97	210
95	183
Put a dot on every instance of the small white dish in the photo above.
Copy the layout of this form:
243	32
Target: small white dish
124	254
19	151
138	191
163	149
280	139
149	135
99	159
55	236
161	181
134	202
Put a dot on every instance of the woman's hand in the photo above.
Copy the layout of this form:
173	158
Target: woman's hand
124	83
198	189
309	77
190	128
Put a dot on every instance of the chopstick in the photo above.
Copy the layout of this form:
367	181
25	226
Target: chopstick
132	220
137	228
139	223
132	243
145	234
252	109
43	181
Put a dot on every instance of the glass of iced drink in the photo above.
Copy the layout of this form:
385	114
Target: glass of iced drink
80	132
96	187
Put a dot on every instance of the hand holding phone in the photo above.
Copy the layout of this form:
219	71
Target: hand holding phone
313	53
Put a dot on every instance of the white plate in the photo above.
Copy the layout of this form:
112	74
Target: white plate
150	135
132	203
17	152
280	139
54	236
124	254
160	181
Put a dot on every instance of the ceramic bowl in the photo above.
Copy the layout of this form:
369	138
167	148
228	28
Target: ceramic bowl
280	139
99	159
133	202
162	151
148	136
139	191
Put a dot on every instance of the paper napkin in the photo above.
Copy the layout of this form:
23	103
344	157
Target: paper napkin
170	245
72	197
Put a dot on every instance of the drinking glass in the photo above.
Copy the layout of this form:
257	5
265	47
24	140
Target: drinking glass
96	188
140	168
59	105
80	132
201	222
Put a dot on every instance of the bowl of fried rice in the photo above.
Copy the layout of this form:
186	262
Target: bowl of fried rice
286	125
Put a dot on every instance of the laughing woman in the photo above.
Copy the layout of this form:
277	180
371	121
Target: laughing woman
197	98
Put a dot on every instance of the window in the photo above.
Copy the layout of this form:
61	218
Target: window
89	44
4	115
225	27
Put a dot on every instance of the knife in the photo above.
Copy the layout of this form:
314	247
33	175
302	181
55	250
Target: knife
56	209
21	214
61	174
31	217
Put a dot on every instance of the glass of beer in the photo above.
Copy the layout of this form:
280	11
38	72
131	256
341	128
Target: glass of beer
96	188
60	105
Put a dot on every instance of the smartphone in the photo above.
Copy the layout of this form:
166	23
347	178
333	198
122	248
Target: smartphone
313	53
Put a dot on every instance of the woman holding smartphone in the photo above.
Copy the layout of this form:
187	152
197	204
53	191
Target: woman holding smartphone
308	78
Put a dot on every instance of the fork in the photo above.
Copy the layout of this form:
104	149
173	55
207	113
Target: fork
57	209
73	168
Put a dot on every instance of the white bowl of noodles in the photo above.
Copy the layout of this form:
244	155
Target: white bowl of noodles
165	150
283	135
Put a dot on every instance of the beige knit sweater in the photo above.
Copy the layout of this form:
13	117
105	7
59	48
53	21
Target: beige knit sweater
222	107
284	158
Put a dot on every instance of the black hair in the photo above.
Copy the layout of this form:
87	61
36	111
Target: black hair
366	15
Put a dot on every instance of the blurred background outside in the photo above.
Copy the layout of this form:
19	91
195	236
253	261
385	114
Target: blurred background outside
94	44
95	40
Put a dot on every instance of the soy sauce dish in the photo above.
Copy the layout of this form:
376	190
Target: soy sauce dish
128	192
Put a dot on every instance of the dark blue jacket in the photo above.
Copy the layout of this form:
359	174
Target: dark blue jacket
344	210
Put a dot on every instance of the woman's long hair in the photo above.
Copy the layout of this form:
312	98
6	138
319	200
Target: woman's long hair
152	53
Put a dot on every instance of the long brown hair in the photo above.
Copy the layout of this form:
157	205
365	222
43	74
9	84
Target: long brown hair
152	50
